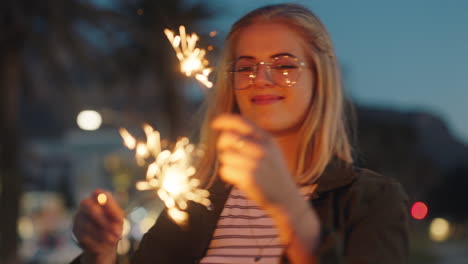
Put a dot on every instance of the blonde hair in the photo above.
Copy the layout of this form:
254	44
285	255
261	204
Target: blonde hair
324	134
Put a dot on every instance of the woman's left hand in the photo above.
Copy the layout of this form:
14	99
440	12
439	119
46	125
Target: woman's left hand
252	161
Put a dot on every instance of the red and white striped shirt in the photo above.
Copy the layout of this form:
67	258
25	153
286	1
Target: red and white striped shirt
245	233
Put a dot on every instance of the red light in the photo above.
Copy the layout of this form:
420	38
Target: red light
419	210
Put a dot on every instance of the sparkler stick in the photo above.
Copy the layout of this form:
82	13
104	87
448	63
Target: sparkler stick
170	172
192	59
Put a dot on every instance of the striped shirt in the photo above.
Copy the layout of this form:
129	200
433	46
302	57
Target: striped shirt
245	233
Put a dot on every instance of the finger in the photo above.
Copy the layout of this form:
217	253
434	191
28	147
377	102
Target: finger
112	212
238	124
234	141
109	205
96	214
237	176
236	159
93	211
97	244
116	215
86	230
88	243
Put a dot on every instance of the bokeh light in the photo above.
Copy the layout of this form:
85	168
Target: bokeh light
439	230
25	227
123	246
419	210
89	120
126	227
147	223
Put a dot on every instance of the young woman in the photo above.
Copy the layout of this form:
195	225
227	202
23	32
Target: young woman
278	164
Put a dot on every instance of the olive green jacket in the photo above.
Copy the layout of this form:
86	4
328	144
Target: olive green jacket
364	218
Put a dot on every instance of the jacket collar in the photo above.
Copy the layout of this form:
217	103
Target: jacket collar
337	174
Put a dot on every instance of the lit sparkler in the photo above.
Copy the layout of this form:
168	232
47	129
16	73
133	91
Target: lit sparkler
170	173
192	59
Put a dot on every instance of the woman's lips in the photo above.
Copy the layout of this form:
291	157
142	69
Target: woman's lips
266	99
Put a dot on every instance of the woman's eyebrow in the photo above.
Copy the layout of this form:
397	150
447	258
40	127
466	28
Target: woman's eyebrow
272	56
246	57
282	54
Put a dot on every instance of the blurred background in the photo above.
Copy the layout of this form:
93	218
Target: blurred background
73	72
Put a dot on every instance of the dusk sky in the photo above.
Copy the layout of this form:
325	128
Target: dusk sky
401	54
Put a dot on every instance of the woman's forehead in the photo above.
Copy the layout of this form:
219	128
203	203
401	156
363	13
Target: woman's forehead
265	40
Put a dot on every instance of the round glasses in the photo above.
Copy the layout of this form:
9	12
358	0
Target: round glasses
282	70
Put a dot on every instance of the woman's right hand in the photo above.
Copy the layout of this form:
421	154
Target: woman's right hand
98	228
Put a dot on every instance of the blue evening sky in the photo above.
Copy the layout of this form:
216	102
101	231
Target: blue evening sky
401	54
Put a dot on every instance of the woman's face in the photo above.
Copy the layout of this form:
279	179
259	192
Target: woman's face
272	106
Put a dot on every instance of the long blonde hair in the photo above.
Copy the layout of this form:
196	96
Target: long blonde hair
324	134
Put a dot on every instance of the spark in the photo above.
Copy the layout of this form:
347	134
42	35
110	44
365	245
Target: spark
192	60
170	172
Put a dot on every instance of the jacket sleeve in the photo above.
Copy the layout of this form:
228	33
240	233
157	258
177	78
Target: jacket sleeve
165	242
378	228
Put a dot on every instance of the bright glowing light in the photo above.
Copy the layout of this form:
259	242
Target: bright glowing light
190	65
102	199
192	60
439	230
25	228
419	210
147	223
89	120
175	182
177	215
170	172
123	246
129	141
126	227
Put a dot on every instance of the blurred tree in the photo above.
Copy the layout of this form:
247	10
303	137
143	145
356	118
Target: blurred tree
149	51
447	198
31	31
56	51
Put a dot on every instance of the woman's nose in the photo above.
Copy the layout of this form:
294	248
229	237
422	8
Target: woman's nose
263	76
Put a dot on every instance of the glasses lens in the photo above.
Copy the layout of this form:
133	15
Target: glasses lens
285	70
244	72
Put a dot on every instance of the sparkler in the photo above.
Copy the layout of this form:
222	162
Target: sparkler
192	59
170	173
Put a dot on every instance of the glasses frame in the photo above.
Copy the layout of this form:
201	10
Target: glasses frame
253	75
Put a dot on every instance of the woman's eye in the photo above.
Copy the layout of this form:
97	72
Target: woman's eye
284	66
245	69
